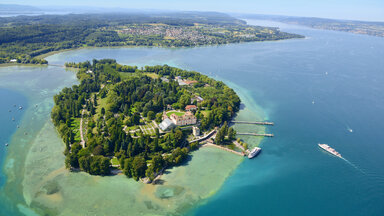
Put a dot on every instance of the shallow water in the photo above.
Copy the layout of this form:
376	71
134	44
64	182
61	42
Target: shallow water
341	73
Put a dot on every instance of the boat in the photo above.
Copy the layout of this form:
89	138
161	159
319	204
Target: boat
330	150
6	144
20	107
255	151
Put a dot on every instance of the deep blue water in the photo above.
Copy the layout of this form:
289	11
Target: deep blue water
342	73
10	117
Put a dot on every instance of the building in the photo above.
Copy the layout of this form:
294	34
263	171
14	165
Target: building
166	124
164	79
197	98
13	60
187	119
190	82
190	107
196	131
181	82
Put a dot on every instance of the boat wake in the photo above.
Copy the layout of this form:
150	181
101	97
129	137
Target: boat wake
354	166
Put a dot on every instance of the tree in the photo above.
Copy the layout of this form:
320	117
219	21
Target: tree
151	115
84	163
219	137
128	165
102	111
231	134
104	166
157	163
139	166
225	128
136	119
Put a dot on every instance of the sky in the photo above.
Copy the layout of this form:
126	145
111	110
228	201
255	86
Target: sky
372	10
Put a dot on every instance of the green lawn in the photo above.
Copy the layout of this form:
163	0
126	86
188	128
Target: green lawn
75	127
115	162
176	113
101	102
127	76
205	112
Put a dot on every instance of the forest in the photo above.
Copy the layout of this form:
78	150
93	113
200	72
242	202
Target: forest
25	38
112	99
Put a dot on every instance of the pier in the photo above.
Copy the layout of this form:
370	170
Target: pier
225	149
56	65
256	123
255	134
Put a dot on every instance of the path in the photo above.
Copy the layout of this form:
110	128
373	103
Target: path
81	129
223	148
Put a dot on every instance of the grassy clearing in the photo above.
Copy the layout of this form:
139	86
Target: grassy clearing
176	113
205	112
152	75
101	102
75	126
115	162
127	76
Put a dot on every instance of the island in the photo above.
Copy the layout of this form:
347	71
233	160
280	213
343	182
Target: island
141	121
27	40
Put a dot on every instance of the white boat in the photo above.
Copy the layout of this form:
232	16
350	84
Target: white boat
255	151
330	150
6	144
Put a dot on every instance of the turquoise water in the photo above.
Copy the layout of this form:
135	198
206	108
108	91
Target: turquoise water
10	119
343	74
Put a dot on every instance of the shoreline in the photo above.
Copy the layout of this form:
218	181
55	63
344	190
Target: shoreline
179	171
45	55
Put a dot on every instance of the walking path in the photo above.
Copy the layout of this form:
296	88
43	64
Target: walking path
223	148
81	129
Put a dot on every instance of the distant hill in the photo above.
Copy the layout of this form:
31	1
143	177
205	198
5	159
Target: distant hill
352	26
172	18
10	8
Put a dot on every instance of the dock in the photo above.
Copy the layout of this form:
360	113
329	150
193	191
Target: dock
255	134
56	65
256	123
225	149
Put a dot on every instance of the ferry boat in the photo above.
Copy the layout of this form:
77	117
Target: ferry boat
330	150
255	151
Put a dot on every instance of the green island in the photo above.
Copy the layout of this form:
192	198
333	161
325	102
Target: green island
141	121
28	41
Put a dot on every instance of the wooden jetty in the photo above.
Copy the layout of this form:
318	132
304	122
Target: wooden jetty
225	149
255	134
256	123
56	65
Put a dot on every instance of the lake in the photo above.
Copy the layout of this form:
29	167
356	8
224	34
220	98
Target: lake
326	88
